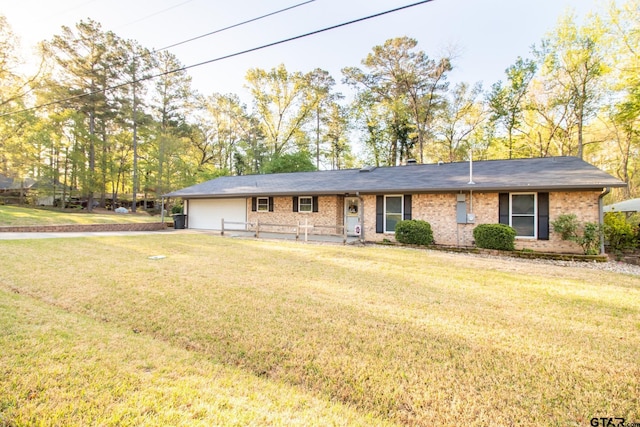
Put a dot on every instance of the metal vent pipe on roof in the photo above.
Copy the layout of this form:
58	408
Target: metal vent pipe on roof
471	168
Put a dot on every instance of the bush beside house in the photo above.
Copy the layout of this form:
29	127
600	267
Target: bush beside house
621	232
495	236
414	232
586	235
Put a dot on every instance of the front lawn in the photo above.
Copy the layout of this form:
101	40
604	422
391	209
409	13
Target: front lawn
21	216
235	332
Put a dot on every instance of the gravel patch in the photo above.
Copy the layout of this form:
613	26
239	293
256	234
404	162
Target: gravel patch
612	266
536	263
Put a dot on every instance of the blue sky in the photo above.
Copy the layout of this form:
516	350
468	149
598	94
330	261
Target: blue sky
487	35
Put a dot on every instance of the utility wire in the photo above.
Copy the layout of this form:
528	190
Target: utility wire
234	26
156	13
220	58
290	39
161	49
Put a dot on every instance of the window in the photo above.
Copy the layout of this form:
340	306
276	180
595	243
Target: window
527	213
263	204
523	214
392	213
305	204
390	210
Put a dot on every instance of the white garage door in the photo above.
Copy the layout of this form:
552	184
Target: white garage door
207	214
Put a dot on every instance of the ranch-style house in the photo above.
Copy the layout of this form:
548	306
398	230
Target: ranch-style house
527	194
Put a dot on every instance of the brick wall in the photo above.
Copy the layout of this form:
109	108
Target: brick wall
369	215
584	204
147	226
330	214
440	211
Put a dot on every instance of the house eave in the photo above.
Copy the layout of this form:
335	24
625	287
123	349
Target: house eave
540	174
453	189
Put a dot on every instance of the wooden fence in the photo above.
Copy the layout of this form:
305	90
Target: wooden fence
305	229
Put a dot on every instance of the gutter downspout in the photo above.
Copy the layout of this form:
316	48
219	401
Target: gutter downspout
361	216
601	216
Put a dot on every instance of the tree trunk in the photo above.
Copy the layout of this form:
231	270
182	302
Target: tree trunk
580	142
134	200
92	160
318	139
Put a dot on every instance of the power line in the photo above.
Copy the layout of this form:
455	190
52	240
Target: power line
158	50
221	58
234	25
156	13
290	39
161	49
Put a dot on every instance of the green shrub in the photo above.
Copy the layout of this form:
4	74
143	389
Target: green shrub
177	209
590	239
568	227
620	232
495	236
414	232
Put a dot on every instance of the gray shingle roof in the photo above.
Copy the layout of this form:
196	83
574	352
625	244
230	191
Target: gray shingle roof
7	183
551	173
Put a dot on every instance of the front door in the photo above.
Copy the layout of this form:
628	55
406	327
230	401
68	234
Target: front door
352	215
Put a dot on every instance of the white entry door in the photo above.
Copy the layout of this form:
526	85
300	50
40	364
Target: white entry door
352	215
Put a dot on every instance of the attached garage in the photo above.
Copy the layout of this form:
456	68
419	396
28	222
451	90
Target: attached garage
207	214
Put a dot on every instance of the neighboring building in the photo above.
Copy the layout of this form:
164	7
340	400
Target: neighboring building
453	197
14	191
29	191
629	207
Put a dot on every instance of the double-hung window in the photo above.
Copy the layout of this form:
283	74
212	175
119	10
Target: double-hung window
390	210
393	212
305	204
523	218
527	213
262	204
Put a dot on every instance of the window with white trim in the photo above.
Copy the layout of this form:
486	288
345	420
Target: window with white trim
305	204
262	204
523	214
393	212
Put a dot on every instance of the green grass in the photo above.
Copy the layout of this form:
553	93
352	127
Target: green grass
20	216
224	332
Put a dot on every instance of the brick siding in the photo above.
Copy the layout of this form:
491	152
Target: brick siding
440	211
330	214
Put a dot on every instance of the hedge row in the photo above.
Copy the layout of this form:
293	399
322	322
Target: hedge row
487	236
